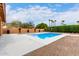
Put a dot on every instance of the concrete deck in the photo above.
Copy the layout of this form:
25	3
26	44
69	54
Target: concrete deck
22	44
67	46
19	44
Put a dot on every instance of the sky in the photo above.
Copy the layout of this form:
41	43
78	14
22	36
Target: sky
42	12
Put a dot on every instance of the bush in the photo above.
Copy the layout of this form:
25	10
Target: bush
65	28
42	26
27	25
17	23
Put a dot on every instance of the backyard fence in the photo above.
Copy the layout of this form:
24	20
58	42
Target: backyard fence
21	30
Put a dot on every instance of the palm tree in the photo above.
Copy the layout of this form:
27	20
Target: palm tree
78	22
52	22
55	22
49	22
62	22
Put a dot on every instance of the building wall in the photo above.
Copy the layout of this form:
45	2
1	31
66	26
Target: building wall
0	28
2	11
2	16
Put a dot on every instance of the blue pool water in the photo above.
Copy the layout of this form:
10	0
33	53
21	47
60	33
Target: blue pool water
46	35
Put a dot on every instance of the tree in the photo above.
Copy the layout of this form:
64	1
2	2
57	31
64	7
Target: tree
55	22
31	24
27	25
49	22
78	22
52	22
24	25
42	26
62	22
16	23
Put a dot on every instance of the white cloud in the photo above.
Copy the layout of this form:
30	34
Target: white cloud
70	17
39	14
35	13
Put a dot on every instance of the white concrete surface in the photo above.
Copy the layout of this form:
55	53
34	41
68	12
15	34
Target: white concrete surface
20	44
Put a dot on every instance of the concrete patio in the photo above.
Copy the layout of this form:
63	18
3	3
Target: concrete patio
67	46
20	44
16	44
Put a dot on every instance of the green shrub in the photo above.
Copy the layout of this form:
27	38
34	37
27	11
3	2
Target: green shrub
65	28
42	26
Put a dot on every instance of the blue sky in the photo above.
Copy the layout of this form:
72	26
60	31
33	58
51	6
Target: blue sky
42	12
60	7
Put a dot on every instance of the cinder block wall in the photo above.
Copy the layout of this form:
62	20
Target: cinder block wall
14	30
4	31
41	30
37	30
23	30
31	30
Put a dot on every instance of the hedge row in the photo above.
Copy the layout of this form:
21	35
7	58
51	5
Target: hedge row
65	28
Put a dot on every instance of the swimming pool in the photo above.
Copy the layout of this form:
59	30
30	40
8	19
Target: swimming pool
45	35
